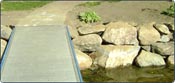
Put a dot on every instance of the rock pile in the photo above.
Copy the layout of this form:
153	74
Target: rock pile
121	43
118	44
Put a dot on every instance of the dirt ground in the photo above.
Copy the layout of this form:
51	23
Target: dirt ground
49	14
13	17
130	11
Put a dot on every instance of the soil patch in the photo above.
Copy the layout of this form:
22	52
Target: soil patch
130	11
12	17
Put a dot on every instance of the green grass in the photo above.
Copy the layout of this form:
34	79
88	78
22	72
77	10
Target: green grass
89	4
21	5
111	1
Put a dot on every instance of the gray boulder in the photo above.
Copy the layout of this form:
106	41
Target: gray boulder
145	59
148	34
87	42
120	33
111	56
163	48
5	32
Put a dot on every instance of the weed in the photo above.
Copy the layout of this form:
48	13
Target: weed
169	11
89	17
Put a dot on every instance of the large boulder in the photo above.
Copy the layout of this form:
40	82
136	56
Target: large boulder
120	33
3	45
84	60
111	56
163	48
148	34
73	32
171	60
91	29
162	28
87	42
145	59
5	32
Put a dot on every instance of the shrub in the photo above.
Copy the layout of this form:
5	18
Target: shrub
89	17
169	11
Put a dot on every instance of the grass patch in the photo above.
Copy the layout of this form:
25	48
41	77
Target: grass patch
111	1
89	4
21	5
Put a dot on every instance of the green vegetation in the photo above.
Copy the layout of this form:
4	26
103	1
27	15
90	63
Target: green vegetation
21	5
90	4
89	17
111	1
169	11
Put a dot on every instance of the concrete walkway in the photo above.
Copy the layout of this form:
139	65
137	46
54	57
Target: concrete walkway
44	41
53	13
40	54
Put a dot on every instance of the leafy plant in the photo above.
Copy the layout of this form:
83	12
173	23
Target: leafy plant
90	4
89	17
169	11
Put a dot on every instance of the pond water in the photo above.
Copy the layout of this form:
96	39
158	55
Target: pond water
130	74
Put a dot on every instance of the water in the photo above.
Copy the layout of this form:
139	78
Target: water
130	74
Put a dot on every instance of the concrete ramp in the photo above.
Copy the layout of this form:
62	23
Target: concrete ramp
40	54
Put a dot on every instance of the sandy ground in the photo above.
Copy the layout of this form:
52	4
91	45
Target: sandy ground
131	11
53	13
13	17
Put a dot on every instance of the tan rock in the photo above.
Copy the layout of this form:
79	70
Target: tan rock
145	59
87	42
162	28
171	60
147	34
120	33
5	32
91	29
163	48
3	46
114	56
84	60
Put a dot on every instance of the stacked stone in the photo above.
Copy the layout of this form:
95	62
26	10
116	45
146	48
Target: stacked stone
5	35
122	43
118	44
